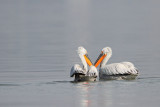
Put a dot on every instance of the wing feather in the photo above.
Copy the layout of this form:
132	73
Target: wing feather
119	69
76	69
131	68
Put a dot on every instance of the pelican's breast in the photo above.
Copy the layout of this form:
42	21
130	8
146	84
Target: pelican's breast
93	71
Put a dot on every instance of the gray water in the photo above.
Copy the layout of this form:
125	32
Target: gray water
38	43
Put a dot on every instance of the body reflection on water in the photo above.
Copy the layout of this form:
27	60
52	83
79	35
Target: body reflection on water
88	95
84	94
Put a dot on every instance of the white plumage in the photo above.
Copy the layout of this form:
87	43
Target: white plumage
124	70
82	73
118	69
76	69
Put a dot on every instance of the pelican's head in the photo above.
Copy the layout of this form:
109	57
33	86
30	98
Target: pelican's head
83	53
107	51
81	50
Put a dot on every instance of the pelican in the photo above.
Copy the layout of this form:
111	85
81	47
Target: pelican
122	70
82	73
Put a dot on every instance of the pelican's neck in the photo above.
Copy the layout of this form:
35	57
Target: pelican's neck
83	62
105	60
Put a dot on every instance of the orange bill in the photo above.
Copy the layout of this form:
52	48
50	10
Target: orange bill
100	59
88	60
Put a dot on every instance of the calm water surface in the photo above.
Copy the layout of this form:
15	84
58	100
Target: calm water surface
38	43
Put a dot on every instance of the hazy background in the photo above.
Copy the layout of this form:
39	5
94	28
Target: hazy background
38	43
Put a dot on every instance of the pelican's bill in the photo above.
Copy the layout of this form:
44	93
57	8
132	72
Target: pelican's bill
89	62
100	59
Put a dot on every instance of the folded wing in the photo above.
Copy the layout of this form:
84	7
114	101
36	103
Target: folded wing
76	69
123	68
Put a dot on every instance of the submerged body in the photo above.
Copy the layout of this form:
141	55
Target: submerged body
123	70
82	73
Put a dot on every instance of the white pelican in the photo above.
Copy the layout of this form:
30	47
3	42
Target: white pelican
122	70
82	73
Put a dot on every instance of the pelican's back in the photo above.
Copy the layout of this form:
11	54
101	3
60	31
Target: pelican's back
76	69
123	68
